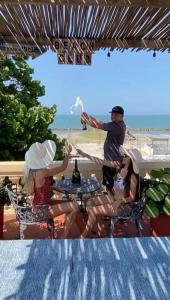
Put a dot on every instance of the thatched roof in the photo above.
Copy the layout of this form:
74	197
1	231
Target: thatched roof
140	24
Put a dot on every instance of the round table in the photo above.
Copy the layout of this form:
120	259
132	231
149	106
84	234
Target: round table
87	186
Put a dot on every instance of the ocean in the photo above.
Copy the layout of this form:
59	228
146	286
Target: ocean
132	121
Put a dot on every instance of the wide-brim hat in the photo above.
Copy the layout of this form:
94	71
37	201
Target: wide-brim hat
135	156
40	155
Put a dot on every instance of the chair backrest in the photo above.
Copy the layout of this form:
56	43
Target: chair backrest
138	209
12	196
15	200
27	213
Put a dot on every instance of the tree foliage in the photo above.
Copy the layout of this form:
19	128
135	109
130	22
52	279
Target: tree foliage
23	120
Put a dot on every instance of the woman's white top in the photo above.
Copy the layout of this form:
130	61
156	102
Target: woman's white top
119	188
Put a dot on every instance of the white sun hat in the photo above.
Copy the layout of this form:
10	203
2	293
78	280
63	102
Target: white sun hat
40	155
135	156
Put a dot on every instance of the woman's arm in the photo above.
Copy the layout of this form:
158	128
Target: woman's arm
99	161
58	169
62	167
132	192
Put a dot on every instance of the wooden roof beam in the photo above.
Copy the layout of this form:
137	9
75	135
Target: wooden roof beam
143	3
153	44
156	44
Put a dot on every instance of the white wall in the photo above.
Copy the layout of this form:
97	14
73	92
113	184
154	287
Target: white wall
86	167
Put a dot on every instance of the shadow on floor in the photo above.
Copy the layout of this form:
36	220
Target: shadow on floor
122	229
90	269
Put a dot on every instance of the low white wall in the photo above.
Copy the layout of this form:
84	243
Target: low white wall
15	169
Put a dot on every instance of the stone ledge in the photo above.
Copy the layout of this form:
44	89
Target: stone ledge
16	168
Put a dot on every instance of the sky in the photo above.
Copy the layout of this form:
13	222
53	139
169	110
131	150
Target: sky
134	80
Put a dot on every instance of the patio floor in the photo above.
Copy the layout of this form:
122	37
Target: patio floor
90	269
125	229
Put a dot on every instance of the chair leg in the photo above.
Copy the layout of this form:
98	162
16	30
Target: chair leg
22	227
112	225
53	231
51	227
138	226
108	220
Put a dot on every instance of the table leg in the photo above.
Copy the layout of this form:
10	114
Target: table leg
82	203
81	199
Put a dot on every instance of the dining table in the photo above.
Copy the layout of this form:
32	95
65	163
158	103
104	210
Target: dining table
80	191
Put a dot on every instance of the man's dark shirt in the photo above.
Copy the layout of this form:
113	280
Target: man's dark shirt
115	138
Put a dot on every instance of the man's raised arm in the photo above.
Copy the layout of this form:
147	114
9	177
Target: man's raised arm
91	121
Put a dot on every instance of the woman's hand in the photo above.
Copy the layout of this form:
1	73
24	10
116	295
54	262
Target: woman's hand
80	152
67	149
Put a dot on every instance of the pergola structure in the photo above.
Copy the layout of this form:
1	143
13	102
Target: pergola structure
35	26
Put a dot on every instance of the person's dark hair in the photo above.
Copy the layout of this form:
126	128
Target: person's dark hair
130	171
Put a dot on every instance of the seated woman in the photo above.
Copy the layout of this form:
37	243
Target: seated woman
39	169
125	190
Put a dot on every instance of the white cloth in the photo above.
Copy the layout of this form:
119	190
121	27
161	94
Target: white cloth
119	188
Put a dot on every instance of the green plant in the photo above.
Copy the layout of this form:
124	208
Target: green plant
4	199
158	194
23	120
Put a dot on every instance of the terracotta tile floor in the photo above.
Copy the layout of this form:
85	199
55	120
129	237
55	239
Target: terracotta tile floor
125	229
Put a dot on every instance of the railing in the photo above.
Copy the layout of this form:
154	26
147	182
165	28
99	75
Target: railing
15	169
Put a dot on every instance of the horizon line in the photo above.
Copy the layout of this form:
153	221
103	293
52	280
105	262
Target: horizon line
68	114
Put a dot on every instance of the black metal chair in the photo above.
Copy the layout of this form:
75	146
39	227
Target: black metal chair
137	209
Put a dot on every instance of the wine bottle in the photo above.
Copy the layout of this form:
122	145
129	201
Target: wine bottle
84	126
76	178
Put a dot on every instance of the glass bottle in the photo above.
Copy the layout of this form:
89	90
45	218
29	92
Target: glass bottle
76	178
84	126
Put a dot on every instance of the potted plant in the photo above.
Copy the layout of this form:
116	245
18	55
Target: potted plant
4	199
158	202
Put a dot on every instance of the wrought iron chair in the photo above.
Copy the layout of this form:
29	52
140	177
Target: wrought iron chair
29	215
137	209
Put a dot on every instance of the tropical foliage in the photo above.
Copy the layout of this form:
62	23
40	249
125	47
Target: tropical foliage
158	194
23	120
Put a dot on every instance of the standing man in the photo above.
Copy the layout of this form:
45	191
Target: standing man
115	137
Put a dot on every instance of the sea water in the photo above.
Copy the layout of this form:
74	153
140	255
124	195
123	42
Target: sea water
159	122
